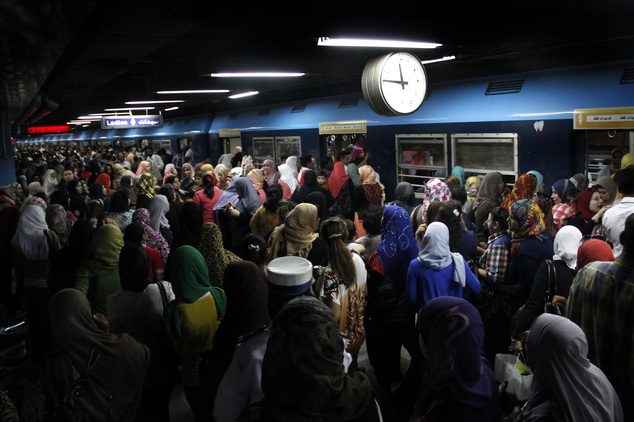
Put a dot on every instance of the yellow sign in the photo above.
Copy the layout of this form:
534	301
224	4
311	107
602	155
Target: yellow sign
604	118
334	128
229	133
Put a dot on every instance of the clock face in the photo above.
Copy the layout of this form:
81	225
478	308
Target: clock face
394	84
403	83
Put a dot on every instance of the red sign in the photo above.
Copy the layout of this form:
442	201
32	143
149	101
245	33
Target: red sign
50	129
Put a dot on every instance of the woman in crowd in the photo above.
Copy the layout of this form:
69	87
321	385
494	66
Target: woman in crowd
288	179
190	225
458	384
159	207
207	197
240	341
168	170
137	310
104	179
144	190
342	189
58	221
566	386
590	211
198	309
188	177
50	182
560	190
539	189
154	239
310	185
298	236
120	211
256	178
489	197
472	186
370	192
136	234
269	172
98	276
404	196
345	284
607	188
66	261
437	271
266	217
216	256
460	239
523	188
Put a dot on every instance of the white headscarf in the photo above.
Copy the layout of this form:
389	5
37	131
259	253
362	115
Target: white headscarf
50	182
435	252
29	235
566	245
566	386
288	175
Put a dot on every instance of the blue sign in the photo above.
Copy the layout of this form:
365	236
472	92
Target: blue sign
128	122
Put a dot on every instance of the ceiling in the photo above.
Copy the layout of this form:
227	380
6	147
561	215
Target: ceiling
67	58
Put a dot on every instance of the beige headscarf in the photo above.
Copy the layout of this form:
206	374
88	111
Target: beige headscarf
298	232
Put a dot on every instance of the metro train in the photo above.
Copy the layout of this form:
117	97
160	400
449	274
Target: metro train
560	122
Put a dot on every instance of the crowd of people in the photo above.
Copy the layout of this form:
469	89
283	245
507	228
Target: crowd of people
256	285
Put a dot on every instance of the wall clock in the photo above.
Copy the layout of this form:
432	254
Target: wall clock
394	84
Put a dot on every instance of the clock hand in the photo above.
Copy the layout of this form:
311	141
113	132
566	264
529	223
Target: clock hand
401	82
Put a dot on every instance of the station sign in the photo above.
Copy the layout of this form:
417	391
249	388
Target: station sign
131	122
604	118
337	128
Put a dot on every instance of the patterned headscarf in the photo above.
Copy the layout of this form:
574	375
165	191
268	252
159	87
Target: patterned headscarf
531	222
154	239
524	188
561	213
145	185
473	186
436	190
216	256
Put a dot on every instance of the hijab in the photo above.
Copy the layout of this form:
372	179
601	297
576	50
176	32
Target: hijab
158	208
58	221
303	375
50	182
169	170
458	171
154	238
398	246
562	213
7	198
539	176
607	183
298	232
145	185
144	168
103	254
435	252
436	190
562	187
104	179
627	160
287	175
566	385
488	191
404	196
242	194
117	362
191	222
523	188
337	179
566	245
594	250
216	256
583	204
531	222
473	186
257	180
453	334
270	176
30	234
96	191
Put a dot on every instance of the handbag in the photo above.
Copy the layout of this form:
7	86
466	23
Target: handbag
548	304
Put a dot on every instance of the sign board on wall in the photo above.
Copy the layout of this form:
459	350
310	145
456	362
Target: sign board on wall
129	122
604	118
336	128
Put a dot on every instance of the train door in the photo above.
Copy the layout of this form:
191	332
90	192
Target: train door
599	145
231	145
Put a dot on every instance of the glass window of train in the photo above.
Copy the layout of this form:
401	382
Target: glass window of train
263	149
419	157
483	153
599	145
288	146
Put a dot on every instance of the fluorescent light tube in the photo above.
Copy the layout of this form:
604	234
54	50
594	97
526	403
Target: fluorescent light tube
443	59
353	42
129	108
155	102
244	94
257	75
195	91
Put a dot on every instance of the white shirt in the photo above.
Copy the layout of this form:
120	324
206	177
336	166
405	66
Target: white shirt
614	222
157	162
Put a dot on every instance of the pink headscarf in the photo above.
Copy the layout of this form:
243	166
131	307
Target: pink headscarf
269	178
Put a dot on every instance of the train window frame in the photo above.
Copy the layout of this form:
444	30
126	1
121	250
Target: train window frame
429	139
287	140
486	138
259	159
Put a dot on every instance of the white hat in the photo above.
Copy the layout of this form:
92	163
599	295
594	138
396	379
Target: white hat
289	275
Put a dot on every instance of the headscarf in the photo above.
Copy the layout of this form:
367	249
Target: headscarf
398	246
566	245
158	208
453	334
242	194
580	181
594	250
627	160
287	175
297	233
303	375
435	252
539	176
104	179
7	198
191	222
96	191
488	191
58	221
216	256
562	213
583	204
270	176
368	177
607	183
30	234
566	385
169	170
531	222
257	180
103	254
404	196
154	239
436	190
118	361
562	187
337	179
473	186
50	183
459	173
523	188
145	185
144	168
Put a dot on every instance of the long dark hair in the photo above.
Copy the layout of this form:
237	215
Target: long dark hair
450	213
334	232
208	185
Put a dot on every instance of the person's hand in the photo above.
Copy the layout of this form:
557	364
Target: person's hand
102	322
597	217
420	231
560	302
516	346
512	416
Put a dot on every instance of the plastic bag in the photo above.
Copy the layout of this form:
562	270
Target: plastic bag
511	369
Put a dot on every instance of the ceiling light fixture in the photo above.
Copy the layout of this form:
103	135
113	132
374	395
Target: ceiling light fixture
354	42
171	109
443	59
195	91
244	94
155	102
129	108
257	75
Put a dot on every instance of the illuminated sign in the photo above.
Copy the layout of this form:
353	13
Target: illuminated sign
50	129
128	122
604	118
330	128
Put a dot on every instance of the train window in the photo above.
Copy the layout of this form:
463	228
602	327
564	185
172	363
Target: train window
158	144
420	157
288	145
485	152
599	146
263	148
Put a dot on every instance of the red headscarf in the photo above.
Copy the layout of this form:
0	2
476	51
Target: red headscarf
337	178
104	179
583	204
594	250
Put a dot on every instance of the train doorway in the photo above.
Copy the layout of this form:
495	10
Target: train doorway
599	145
